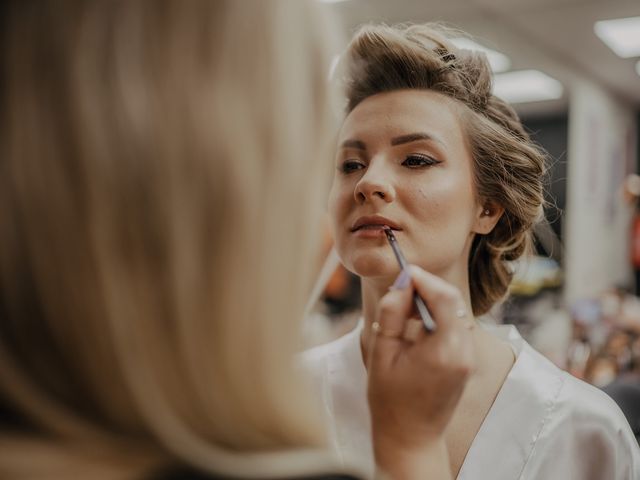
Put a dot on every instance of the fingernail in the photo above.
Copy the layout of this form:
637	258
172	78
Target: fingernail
402	282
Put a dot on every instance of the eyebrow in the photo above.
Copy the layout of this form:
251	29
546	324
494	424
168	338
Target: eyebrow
411	137
414	137
358	144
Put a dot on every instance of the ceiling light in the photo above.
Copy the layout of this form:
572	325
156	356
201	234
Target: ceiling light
621	35
526	86
498	61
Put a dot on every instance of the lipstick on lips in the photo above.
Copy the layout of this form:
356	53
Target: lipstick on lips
372	226
428	322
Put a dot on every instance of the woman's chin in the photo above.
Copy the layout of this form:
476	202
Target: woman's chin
374	265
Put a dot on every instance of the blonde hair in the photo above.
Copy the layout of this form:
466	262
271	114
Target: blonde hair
161	179
508	167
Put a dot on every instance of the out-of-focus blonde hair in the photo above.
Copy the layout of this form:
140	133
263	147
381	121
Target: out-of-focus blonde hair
162	165
509	168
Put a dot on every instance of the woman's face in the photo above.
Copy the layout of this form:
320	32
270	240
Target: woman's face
402	161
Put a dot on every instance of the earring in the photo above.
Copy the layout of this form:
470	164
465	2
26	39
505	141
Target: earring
486	211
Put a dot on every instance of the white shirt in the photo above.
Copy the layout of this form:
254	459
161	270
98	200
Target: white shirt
544	424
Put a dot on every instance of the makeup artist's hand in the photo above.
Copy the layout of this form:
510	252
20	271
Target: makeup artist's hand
415	385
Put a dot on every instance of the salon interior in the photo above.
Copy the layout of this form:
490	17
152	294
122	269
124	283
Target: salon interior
571	68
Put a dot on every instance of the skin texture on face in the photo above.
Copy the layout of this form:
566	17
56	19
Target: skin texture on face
402	156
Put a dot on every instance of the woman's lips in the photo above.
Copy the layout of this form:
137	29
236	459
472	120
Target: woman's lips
373	226
374	221
370	231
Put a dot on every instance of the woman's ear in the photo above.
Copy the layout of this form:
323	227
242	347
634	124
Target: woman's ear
487	217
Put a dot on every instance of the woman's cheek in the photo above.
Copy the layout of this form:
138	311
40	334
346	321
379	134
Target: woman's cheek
341	203
337	211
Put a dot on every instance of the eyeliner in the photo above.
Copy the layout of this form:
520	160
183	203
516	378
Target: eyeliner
428	322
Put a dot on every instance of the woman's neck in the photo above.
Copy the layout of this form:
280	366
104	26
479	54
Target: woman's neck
373	289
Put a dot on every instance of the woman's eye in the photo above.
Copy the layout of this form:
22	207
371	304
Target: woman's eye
417	161
351	166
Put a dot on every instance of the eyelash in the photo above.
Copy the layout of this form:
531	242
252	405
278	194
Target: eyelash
426	160
350	166
347	165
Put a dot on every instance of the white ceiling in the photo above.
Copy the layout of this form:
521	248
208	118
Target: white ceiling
555	36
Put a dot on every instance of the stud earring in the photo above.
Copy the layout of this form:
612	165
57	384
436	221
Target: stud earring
486	211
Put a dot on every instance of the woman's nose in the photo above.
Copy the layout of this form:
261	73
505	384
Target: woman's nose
374	186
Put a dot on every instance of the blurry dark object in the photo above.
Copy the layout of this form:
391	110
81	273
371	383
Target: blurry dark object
342	293
626	393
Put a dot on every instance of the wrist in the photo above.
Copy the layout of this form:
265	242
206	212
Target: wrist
429	459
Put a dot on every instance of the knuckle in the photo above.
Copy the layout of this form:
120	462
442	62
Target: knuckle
454	295
448	294
464	365
464	369
454	344
387	306
440	296
470	362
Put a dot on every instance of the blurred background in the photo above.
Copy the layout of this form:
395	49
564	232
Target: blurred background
571	68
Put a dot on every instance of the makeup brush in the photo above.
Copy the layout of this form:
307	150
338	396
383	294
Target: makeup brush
428	322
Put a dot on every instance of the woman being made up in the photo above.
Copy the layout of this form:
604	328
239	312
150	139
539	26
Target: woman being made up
428	151
163	166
